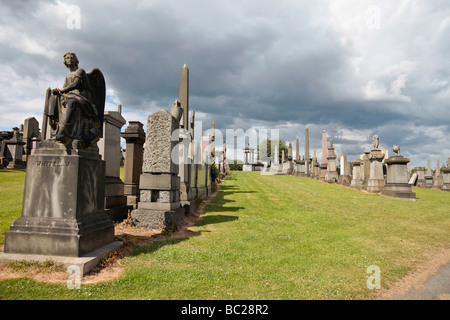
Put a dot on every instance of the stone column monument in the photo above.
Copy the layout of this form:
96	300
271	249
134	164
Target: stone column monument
446	178
307	155
134	136
109	148
290	163
397	177
428	176
356	181
63	211
159	206
376	178
323	165
331	176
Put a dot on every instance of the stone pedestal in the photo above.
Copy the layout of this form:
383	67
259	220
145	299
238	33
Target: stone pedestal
356	182
134	136
364	171
159	205
63	205
109	148
397	185
446	184
331	176
376	178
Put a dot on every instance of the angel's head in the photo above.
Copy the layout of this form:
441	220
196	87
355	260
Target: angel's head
70	58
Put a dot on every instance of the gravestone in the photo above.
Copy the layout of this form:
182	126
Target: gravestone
376	177
134	136
109	147
331	176
307	155
290	168
397	185
428	176
323	165
365	170
63	212
13	151
316	167
446	177
420	176
345	177
30	133
356	170
438	179
159	205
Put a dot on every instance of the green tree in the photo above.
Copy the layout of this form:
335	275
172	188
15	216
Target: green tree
265	148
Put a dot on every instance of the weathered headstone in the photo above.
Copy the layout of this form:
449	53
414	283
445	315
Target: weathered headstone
420	176
290	168
159	205
376	178
109	148
428	176
13	151
30	132
397	185
316	167
365	170
345	178
446	177
438	179
356	174
134	136
331	175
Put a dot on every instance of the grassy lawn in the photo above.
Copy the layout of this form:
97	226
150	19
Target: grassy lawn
267	237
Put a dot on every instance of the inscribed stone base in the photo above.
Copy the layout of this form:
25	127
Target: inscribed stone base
63	207
399	190
157	219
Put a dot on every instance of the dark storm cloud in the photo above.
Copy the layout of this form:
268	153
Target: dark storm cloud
284	64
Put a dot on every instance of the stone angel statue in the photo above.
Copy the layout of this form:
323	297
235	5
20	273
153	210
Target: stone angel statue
75	112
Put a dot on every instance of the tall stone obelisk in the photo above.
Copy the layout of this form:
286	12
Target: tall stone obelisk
323	165
307	155
184	169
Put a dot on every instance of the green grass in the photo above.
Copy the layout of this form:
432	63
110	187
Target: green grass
274	237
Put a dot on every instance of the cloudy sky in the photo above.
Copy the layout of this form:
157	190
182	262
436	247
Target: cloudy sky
354	68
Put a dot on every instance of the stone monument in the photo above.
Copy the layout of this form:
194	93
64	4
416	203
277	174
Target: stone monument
376	178
438	180
134	136
428	176
109	147
331	176
397	185
159	205
63	211
446	178
420	176
13	151
323	165
356	174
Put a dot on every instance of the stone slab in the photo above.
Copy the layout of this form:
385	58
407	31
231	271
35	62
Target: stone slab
157	219
86	262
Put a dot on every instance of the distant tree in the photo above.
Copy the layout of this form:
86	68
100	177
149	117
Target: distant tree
265	148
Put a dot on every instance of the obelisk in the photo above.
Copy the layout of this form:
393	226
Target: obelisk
184	169
183	96
307	155
323	165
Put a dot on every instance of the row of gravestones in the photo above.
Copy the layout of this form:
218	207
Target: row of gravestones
74	174
374	172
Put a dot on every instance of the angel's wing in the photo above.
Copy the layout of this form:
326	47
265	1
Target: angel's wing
98	94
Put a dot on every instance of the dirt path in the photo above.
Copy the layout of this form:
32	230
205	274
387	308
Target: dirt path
431	281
